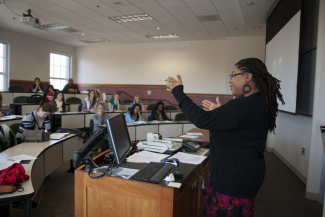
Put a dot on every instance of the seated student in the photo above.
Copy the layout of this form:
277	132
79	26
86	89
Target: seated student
49	94
70	87
137	100
90	104
100	95
100	118
36	120
134	114
158	112
58	103
37	86
115	103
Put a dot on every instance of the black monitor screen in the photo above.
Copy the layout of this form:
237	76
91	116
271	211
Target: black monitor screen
120	143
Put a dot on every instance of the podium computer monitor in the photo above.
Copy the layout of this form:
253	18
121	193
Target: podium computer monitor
120	143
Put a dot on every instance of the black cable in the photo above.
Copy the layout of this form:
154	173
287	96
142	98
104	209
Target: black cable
109	167
10	9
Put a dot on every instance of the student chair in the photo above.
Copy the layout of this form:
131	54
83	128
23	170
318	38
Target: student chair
16	89
180	117
170	108
14	128
79	108
127	101
19	99
30	90
91	127
106	107
73	100
150	107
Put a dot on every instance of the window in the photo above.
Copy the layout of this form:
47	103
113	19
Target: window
59	70
3	65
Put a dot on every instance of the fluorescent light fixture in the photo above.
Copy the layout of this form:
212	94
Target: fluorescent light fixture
162	36
53	26
91	41
131	18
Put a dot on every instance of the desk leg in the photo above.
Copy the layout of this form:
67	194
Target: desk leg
5	210
29	207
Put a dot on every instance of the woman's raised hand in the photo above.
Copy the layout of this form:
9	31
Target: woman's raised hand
209	106
172	82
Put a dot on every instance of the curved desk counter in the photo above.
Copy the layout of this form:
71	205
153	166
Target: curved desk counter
10	121
50	155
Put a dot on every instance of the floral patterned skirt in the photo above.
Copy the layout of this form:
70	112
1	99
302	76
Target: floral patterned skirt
219	205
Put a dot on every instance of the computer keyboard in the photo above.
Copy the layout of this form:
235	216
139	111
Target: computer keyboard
152	172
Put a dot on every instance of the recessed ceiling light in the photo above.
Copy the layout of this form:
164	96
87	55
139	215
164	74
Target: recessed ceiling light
118	3
131	18
162	36
256	28
14	18
53	26
157	27
82	34
250	3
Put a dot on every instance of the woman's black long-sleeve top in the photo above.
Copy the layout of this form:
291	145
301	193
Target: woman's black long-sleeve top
154	115
238	133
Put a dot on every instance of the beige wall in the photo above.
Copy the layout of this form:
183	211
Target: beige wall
203	65
30	56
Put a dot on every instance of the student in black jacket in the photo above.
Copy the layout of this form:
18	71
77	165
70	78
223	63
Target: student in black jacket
238	132
158	112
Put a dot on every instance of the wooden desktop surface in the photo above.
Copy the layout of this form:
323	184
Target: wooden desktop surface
205	138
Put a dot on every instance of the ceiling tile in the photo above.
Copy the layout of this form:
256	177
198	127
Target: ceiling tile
142	2
151	8
182	13
111	3
205	11
174	6
161	15
42	4
130	10
229	10
224	3
161	1
199	4
191	19
204	35
214	24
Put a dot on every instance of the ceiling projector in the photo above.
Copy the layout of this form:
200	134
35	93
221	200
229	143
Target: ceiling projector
30	21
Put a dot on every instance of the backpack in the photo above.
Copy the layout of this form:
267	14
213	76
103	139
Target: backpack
34	99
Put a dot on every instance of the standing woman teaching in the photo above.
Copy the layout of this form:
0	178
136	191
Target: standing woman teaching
114	104
238	132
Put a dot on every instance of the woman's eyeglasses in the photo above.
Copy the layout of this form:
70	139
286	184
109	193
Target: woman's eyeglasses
232	75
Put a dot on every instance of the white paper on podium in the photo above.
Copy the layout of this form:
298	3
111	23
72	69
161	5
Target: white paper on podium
188	158
146	157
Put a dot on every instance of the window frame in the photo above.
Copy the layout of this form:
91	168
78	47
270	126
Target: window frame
70	66
7	65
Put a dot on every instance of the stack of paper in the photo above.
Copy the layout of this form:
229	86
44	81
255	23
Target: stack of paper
190	137
122	172
22	157
188	158
157	122
8	117
194	134
141	122
58	135
146	157
168	121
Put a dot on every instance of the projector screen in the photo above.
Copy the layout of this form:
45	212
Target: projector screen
281	59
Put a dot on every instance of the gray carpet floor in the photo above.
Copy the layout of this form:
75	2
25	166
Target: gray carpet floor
281	195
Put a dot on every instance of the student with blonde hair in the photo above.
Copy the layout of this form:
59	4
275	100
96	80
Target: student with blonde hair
100	95
137	100
114	103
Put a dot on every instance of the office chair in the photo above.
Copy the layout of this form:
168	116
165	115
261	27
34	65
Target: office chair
79	108
14	128
127	101
16	89
180	117
150	107
73	100
170	107
106	107
91	127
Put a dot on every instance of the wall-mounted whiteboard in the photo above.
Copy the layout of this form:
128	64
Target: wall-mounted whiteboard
282	57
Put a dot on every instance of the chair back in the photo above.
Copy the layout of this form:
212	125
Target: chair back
91	127
180	117
79	108
14	128
73	100
30	90
170	108
127	101
16	89
150	107
20	99
106	107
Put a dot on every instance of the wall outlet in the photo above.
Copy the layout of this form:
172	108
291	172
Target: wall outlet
149	92
303	151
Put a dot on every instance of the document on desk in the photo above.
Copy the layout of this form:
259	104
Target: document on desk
141	122
187	136
157	122
194	134
5	165
146	157
22	157
122	172
188	158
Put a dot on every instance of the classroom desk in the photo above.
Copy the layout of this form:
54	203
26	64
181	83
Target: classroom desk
25	107
50	155
8	97
10	121
202	139
113	196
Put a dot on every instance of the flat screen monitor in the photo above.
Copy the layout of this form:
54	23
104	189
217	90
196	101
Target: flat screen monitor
120	143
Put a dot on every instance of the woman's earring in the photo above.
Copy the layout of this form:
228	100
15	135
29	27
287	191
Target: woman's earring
249	88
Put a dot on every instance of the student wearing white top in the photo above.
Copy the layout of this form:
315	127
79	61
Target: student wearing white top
101	97
58	103
90	104
137	100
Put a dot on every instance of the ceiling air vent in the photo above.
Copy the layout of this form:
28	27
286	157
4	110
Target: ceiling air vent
92	41
209	18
